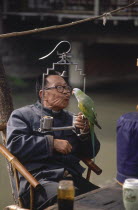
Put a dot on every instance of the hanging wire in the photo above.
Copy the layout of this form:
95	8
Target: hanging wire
56	48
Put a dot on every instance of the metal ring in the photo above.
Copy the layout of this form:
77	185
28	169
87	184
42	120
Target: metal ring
85	123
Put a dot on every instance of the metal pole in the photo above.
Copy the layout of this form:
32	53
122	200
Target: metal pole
84	84
42	99
5	6
96	7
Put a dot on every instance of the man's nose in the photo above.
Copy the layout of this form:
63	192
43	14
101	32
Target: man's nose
66	92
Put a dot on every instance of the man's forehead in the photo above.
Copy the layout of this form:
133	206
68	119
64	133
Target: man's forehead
55	79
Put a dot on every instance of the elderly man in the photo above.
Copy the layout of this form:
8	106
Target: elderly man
51	156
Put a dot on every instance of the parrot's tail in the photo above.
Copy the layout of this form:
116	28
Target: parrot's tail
96	123
93	140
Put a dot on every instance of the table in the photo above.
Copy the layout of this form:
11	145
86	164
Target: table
109	197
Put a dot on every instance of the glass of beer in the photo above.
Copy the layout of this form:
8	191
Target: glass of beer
66	193
130	194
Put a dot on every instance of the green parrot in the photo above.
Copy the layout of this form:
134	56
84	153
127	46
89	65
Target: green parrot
86	106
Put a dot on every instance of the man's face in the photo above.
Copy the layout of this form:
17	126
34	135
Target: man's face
52	98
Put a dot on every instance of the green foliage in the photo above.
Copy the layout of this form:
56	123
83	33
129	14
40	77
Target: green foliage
20	83
17	82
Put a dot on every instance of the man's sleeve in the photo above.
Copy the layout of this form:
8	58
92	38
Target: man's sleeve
21	141
86	147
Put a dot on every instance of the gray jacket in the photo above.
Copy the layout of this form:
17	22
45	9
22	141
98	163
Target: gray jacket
35	149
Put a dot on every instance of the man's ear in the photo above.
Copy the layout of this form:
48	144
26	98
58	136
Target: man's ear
40	94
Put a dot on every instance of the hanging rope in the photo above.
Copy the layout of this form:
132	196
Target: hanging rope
38	30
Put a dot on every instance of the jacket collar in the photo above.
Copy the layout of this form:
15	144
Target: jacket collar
47	111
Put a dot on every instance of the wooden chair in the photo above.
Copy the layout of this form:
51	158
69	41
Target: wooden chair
14	166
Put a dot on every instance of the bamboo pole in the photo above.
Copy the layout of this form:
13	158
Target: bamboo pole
14	161
38	30
14	207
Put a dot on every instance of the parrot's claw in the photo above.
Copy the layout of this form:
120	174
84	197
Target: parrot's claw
83	117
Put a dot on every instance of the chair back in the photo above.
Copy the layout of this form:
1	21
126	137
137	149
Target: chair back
14	166
6	107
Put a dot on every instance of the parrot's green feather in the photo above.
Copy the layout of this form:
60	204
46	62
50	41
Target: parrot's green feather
86	105
83	109
93	139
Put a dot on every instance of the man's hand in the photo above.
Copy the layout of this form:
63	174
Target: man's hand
62	146
82	123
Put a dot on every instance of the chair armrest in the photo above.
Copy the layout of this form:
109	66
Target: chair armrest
91	165
14	207
22	170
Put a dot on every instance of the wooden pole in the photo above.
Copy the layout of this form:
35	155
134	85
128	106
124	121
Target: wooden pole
91	165
14	161
37	30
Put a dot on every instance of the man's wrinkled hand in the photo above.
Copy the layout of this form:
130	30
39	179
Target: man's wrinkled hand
62	146
82	123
